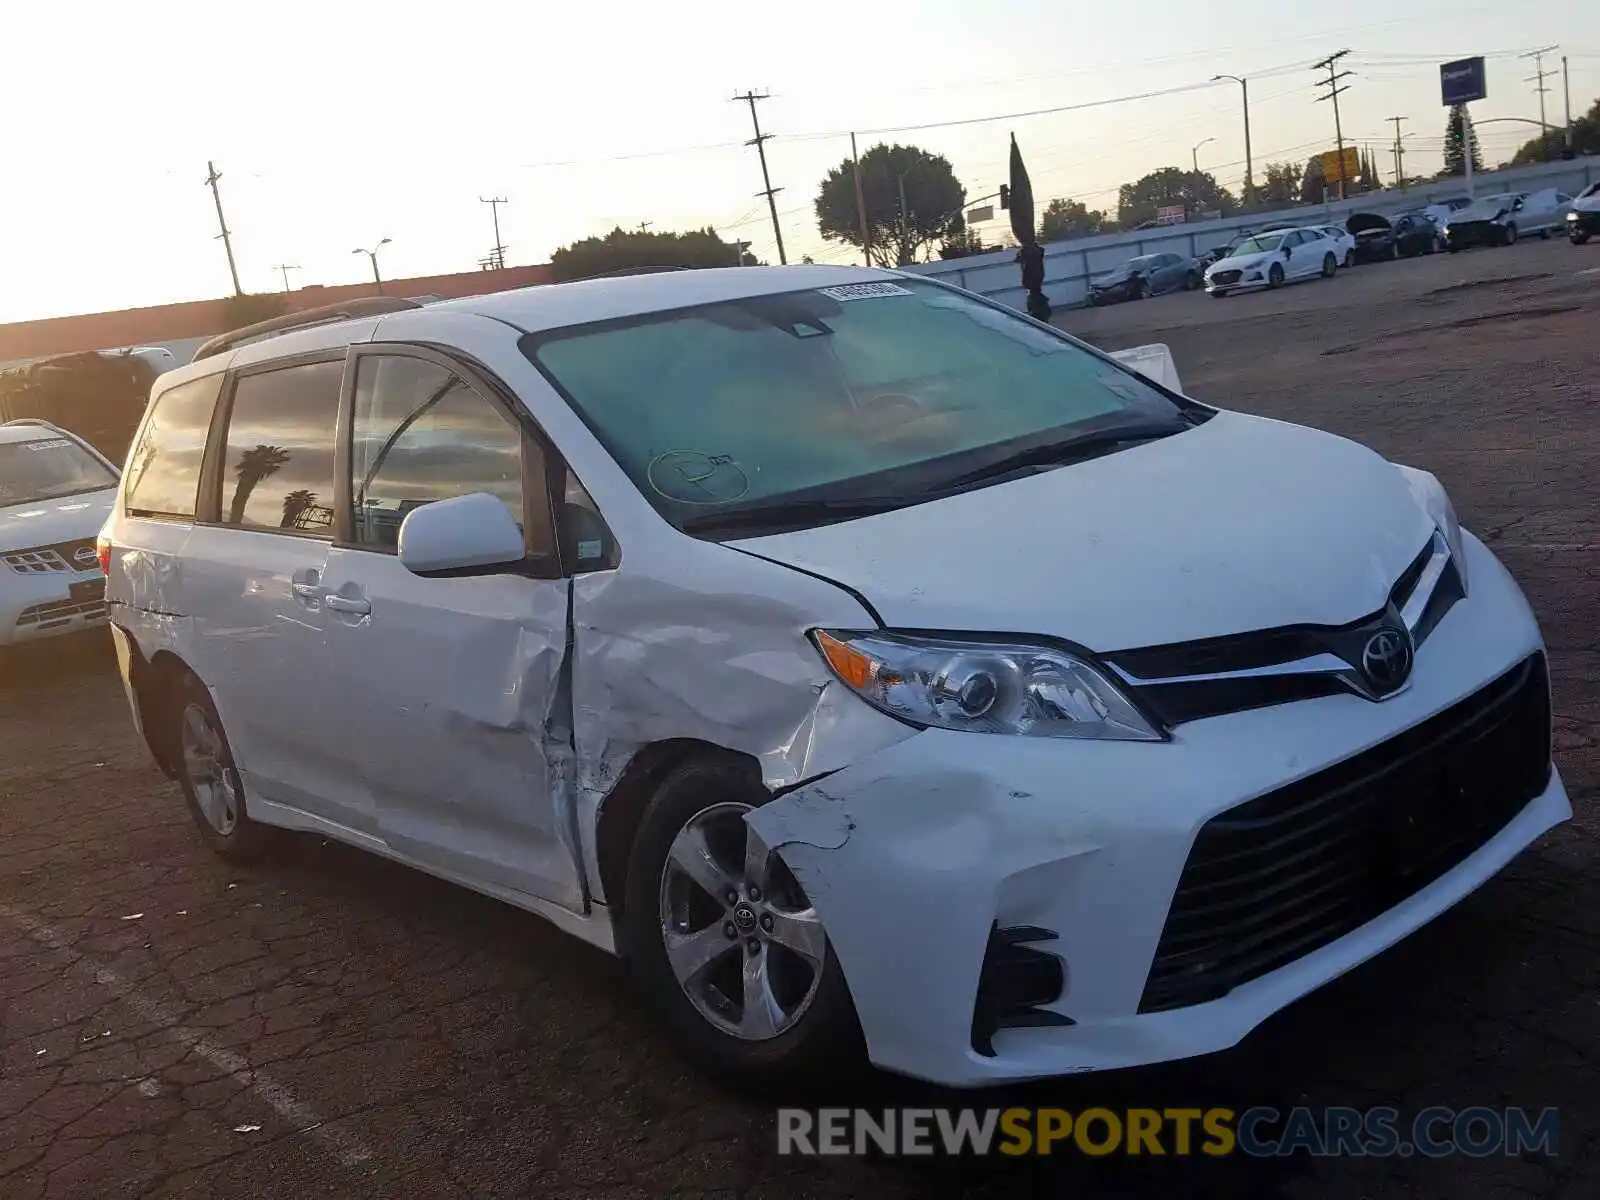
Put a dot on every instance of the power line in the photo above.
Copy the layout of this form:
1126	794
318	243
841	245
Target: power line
1037	112
1334	89
227	240
760	143
499	252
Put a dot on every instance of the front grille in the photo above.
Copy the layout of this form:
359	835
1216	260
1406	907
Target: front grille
1226	276
88	600
1273	879
42	560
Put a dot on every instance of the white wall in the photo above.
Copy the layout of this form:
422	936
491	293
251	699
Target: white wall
1068	265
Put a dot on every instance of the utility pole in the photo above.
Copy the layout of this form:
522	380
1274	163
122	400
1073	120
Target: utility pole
759	142
1537	79
1249	174
1399	153
494	203
227	240
738	251
286	268
1566	89
861	204
1334	89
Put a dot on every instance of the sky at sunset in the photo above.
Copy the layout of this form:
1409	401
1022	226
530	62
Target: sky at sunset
340	123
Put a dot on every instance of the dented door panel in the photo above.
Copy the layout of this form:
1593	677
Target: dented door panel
456	711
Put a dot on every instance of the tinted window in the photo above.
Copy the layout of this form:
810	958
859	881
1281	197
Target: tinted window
422	433
164	466
278	472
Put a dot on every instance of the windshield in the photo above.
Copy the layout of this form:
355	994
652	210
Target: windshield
883	389
45	468
1263	244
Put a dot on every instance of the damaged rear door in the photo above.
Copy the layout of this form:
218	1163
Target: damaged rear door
454	689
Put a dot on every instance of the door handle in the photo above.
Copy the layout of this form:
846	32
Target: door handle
347	604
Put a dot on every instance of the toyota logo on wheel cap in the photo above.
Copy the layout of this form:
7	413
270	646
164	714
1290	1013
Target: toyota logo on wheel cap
1386	659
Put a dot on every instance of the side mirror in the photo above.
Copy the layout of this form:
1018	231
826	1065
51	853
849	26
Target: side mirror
472	534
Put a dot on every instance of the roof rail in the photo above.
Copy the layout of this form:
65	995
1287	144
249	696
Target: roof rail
369	306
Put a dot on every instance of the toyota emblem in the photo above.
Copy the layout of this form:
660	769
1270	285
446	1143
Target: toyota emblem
1386	659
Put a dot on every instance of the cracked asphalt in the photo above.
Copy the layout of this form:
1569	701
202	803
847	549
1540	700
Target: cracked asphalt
328	1024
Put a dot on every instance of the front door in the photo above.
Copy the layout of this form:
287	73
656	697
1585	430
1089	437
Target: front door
462	732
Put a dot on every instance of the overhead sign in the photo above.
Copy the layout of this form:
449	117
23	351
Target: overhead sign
1463	81
980	214
1171	214
1337	168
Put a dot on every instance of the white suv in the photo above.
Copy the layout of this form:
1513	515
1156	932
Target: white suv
56	491
869	664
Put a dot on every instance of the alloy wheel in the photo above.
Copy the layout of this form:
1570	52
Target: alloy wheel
742	940
206	766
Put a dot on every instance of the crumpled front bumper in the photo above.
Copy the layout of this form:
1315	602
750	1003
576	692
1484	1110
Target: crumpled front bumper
912	856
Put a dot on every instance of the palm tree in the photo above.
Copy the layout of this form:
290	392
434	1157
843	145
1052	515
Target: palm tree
295	505
253	466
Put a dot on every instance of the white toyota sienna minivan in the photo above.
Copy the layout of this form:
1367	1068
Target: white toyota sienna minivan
873	667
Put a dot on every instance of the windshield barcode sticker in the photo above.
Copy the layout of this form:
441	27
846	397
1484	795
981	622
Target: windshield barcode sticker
865	291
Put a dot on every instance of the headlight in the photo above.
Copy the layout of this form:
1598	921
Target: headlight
983	686
1431	497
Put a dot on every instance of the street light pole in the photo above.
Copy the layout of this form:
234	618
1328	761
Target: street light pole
1195	153
1249	175
373	255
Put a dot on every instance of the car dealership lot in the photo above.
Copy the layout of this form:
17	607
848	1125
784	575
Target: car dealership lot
334	1025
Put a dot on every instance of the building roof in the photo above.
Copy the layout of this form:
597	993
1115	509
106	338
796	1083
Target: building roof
192	322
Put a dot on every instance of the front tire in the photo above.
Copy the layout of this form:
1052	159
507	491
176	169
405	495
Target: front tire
723	940
1275	275
1509	237
209	778
1579	238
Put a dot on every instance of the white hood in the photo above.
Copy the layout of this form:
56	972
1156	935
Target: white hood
1244	262
1239	524
48	522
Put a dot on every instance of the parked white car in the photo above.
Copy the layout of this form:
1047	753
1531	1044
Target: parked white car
868	664
1344	242
55	493
1271	260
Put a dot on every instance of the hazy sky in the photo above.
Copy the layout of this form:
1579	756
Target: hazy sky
338	123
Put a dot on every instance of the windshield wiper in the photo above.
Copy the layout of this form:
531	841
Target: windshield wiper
1056	454
795	514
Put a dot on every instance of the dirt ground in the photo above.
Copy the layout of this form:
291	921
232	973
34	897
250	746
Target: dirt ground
333	1025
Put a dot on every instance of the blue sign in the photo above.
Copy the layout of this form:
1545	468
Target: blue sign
1463	81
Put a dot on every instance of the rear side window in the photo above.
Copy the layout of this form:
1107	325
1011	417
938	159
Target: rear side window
278	471
164	466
